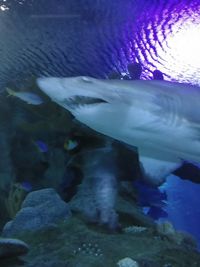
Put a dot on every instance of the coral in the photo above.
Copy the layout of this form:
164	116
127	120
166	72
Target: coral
127	262
134	229
89	249
15	198
166	228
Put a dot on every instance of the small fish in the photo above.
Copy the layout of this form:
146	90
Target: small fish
26	186
70	144
28	97
145	210
42	146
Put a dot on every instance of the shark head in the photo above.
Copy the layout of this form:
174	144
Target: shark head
92	101
76	94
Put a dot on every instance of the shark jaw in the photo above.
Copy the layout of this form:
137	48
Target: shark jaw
69	99
162	119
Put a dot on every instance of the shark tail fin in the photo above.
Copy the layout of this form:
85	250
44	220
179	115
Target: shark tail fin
10	92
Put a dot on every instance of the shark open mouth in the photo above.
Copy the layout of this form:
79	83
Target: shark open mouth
77	101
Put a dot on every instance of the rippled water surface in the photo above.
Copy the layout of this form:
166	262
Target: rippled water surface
94	37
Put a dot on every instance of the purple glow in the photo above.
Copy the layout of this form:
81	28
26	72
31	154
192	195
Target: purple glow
181	51
168	39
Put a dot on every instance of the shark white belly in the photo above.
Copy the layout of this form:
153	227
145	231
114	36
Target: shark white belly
162	119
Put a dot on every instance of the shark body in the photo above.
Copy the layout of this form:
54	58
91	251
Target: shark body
160	118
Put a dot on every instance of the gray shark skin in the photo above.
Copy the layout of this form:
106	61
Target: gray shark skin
160	118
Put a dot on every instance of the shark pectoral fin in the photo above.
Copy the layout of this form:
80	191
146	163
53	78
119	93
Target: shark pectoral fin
155	171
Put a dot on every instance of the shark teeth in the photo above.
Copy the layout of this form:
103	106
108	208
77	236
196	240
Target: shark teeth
77	101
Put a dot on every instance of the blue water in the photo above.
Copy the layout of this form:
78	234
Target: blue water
183	206
85	37
88	37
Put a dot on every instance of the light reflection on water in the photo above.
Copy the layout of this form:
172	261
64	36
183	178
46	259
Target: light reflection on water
170	42
181	54
84	37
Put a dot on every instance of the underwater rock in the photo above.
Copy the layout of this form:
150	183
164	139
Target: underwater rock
105	190
127	262
6	169
10	247
57	166
96	204
167	230
128	209
40	209
130	213
96	196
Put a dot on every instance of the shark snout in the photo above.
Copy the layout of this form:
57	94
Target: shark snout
51	86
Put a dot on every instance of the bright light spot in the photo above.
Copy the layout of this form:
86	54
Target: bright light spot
179	55
185	44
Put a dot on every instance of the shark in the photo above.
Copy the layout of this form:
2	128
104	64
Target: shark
159	118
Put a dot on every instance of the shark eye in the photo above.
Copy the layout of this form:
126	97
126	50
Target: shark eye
86	79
